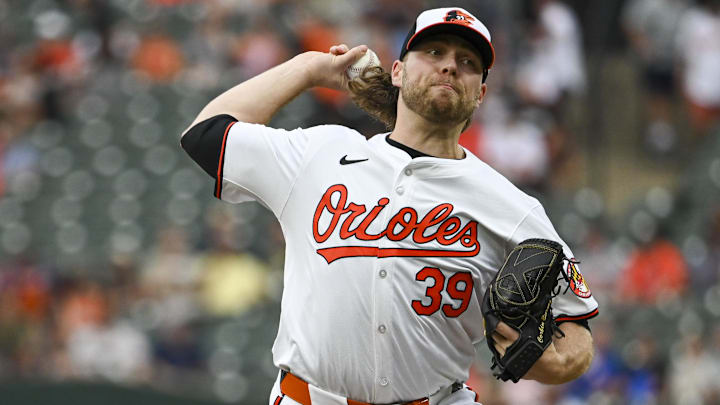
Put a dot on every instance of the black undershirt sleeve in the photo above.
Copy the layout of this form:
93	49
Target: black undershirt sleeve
204	142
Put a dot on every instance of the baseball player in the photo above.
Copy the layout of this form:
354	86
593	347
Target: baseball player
390	241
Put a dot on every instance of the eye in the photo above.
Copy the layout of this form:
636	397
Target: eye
470	63
433	51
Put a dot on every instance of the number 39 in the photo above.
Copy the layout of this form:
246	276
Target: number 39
434	292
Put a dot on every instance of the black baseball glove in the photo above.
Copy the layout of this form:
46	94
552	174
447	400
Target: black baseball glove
521	296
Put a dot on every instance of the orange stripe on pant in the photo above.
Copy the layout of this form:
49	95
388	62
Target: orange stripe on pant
297	390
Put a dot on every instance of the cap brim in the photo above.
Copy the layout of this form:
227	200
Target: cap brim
470	34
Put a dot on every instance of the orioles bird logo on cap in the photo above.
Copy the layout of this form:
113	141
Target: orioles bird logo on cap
458	17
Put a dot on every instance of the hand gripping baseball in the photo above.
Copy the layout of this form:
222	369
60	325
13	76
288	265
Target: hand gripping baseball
520	297
328	69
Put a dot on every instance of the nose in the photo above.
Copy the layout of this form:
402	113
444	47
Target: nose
449	64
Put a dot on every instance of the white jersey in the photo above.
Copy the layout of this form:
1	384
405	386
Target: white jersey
387	257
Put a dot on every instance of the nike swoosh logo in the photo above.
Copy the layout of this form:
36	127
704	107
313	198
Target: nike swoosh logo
344	161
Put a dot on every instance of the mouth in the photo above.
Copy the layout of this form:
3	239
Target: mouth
448	86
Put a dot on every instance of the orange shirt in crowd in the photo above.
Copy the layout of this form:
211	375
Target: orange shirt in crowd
159	57
653	271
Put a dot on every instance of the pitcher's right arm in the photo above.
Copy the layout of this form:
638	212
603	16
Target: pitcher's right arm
256	100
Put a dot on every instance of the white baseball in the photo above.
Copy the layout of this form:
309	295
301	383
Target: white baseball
369	59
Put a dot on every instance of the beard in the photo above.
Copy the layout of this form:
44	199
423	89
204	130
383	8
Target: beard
438	109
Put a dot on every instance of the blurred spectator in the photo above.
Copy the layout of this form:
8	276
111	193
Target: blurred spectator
57	57
651	27
706	273
232	282
699	51
714	352
207	48
548	74
169	282
317	35
27	289
655	270
169	265
17	156
713	394
158	57
553	68
25	299
259	49
645	370
179	347
117	351
21	95
81	304
56	61
518	149
170	277
110	347
233	279
694	378
101	16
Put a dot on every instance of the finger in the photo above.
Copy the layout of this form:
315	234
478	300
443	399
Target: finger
352	55
501	340
508	332
338	49
500	343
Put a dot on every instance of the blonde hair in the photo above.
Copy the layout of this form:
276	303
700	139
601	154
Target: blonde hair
375	94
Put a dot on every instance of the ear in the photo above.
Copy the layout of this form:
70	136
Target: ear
397	72
481	96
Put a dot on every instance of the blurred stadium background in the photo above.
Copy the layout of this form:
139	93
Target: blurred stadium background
123	280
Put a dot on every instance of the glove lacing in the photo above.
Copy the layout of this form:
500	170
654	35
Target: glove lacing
556	331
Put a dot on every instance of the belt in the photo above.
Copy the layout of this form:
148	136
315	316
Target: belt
299	391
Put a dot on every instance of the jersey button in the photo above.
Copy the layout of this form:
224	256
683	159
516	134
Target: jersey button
400	190
382	328
383	273
408	172
384	381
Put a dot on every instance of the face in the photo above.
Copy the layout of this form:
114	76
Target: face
441	79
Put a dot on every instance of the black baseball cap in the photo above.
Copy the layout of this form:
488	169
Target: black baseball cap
455	21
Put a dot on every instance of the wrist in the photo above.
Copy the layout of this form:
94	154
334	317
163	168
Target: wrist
550	367
303	63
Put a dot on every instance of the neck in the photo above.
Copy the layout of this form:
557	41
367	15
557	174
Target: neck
439	140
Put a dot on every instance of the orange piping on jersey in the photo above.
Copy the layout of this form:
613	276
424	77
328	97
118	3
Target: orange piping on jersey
218	183
579	317
334	253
